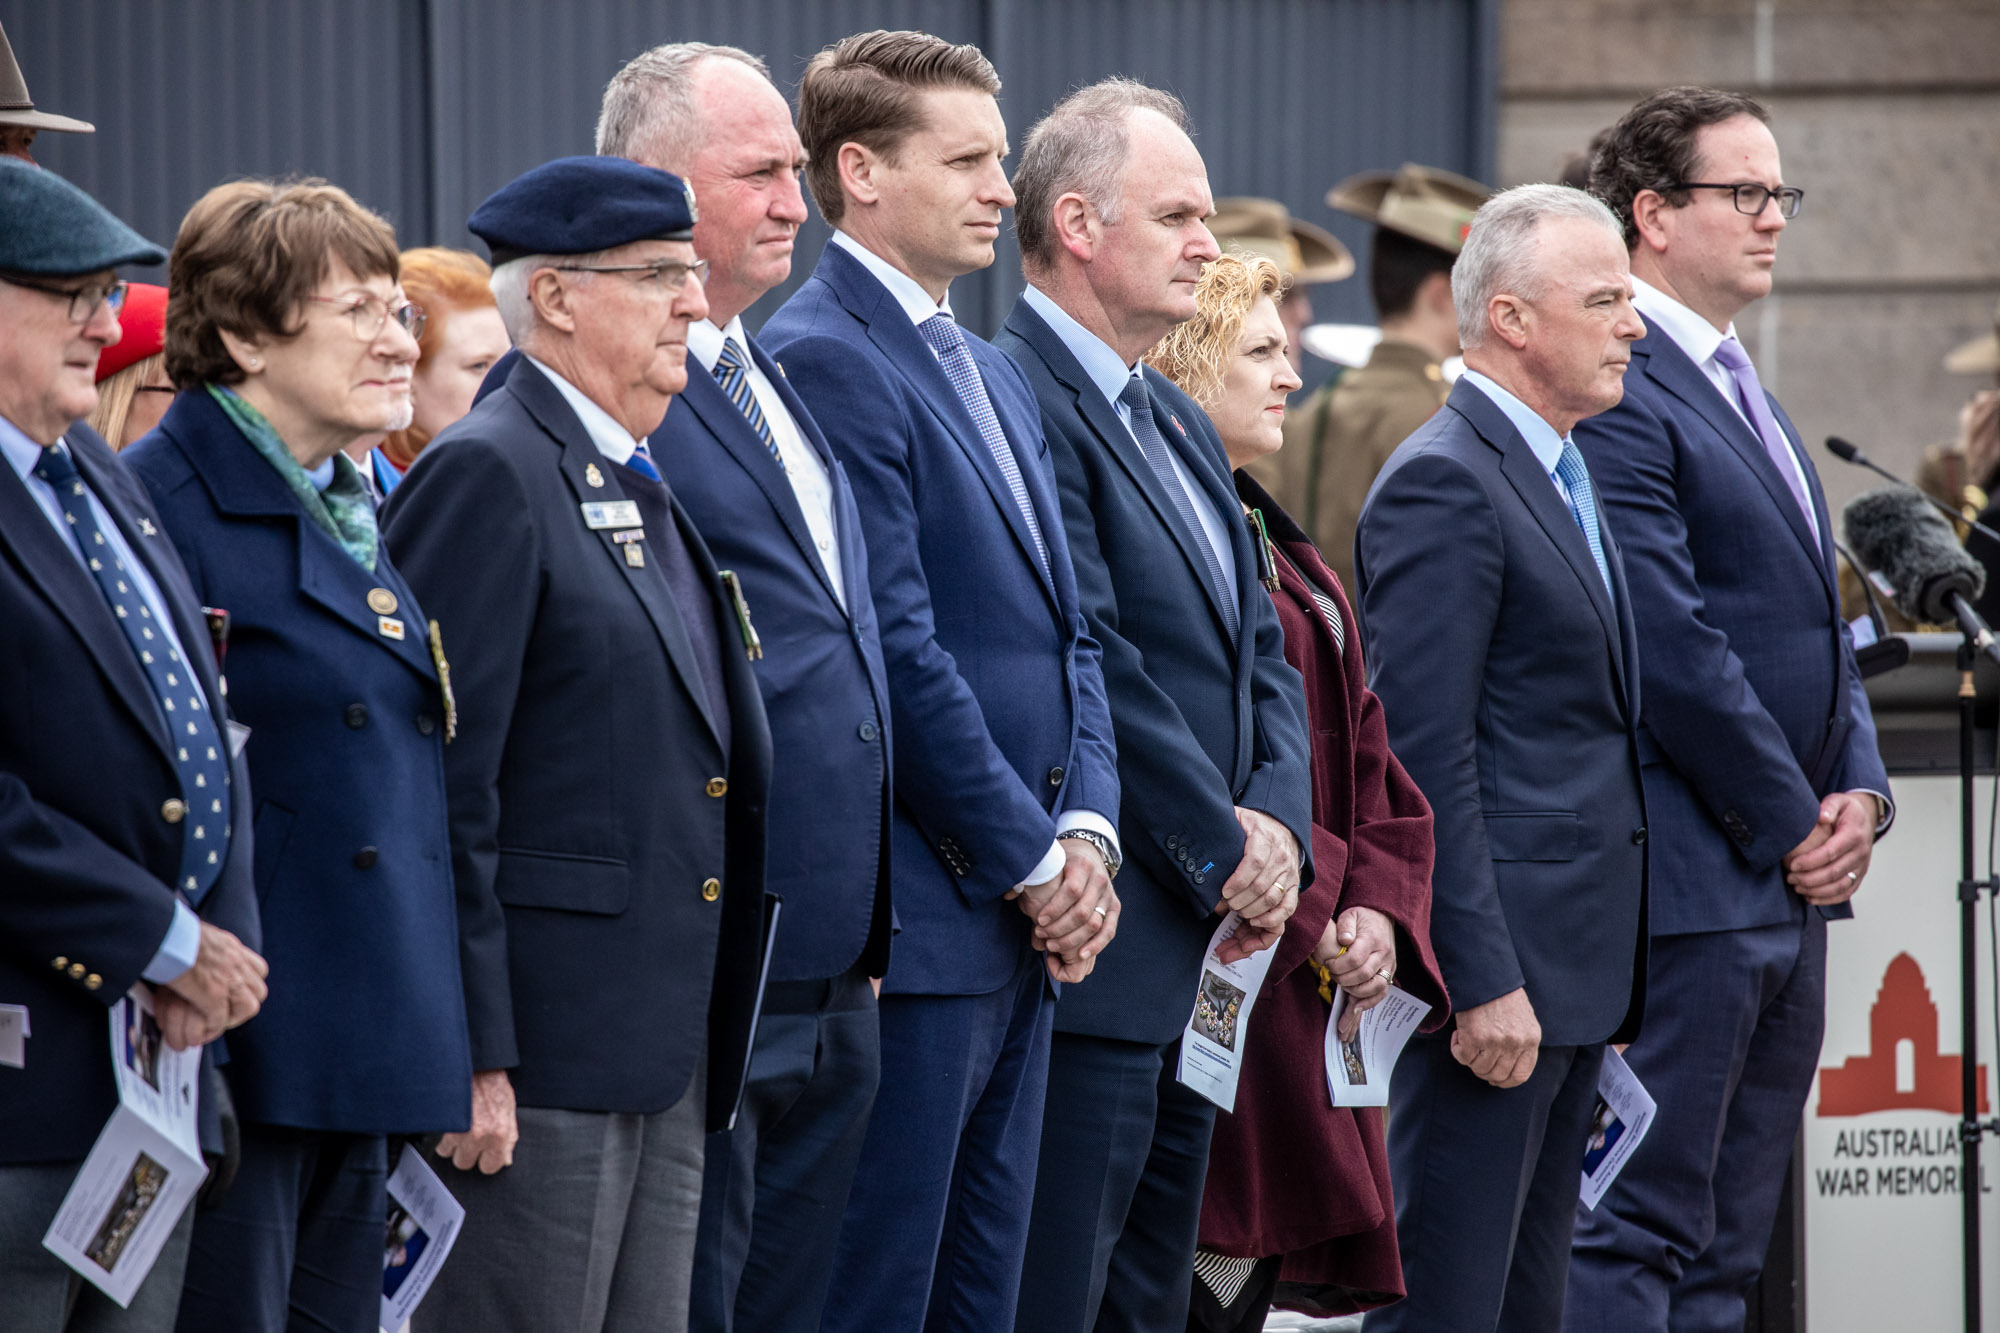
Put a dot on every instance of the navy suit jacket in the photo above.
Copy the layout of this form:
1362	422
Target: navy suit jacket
1510	682
608	855
353	863
1202	727
1754	705
87	859
995	682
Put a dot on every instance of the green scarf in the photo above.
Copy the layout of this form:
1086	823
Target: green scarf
343	511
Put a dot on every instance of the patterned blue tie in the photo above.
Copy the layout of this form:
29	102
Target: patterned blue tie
198	753
948	342
641	462
1583	504
732	374
1147	432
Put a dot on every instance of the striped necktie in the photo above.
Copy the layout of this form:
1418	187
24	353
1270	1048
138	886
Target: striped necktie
732	373
948	341
1583	504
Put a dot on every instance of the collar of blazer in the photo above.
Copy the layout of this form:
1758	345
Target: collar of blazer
1524	472
1661	359
1103	421
242	484
890	329
578	459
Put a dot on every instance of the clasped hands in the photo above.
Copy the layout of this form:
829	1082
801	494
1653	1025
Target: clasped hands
1264	890
224	989
1075	911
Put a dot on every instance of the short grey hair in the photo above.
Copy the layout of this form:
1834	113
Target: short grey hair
1498	255
1080	147
511	296
649	112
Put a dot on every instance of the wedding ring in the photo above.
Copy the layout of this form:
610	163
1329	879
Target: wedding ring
1852	877
1100	911
1384	974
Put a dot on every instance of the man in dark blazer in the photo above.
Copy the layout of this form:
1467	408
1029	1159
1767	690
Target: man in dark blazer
610	775
105	885
1500	640
774	505
1210	718
1006	778
1764	785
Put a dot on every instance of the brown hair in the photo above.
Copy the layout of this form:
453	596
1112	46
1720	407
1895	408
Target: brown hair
1652	146
1195	356
863	89
248	255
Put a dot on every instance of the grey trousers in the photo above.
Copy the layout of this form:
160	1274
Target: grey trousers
590	1231
41	1294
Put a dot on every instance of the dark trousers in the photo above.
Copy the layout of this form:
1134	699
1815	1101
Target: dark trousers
938	1217
1118	1201
1734	1020
1486	1189
775	1186
39	1293
296	1243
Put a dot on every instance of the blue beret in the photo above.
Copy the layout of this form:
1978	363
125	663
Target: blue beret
56	230
580	205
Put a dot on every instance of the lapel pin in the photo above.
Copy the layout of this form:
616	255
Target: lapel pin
635	555
592	475
381	601
1177	423
390	628
753	647
444	683
146	527
611	514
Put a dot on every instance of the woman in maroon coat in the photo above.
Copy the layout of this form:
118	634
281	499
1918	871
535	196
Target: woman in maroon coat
1298	1203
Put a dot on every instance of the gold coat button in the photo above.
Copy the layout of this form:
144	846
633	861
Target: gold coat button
173	810
61	963
711	889
717	786
93	981
76	971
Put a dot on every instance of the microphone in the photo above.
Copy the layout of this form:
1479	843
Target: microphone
1849	453
1932	579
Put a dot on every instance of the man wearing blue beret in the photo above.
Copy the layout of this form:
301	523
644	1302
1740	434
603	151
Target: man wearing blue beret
113	872
609	778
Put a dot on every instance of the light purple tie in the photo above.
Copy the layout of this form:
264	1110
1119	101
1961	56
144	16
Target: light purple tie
1729	354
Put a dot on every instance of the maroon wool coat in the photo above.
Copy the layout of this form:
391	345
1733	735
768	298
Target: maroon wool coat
1288	1173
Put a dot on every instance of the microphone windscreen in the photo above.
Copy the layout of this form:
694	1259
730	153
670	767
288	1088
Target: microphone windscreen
1897	534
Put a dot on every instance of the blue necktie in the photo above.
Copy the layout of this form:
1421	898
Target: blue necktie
731	372
641	462
198	753
948	341
1583	504
1147	432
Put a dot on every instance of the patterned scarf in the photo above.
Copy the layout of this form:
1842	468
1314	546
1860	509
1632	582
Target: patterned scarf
343	511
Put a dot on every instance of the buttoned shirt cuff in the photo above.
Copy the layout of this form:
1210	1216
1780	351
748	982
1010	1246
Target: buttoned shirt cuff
1047	868
178	951
1888	808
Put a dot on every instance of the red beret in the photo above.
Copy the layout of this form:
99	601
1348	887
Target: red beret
144	320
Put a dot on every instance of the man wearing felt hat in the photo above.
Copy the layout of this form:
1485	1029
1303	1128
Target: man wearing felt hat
19	121
1336	444
608	784
117	872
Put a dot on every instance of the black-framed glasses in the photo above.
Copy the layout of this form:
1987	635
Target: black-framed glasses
1751	197
83	301
664	275
368	315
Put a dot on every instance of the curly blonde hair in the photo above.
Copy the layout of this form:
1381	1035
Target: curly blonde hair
1195	355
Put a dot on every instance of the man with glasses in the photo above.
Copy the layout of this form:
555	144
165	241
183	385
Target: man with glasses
610	776
105	885
1764	790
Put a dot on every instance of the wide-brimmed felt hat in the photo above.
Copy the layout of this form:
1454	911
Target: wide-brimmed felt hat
17	108
1427	204
1249	225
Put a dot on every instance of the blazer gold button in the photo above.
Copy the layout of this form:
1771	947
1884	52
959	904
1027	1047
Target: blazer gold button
61	963
711	889
717	786
93	981
76	971
173	809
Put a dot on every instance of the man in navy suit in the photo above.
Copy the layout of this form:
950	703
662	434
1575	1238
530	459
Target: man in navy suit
1500	639
757	478
106	884
609	779
1210	718
1762	775
1006	778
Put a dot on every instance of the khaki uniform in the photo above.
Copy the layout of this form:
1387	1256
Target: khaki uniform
1340	439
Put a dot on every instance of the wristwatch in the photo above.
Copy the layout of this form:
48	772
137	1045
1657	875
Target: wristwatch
1112	861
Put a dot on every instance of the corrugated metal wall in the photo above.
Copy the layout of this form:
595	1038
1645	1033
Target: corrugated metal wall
422	107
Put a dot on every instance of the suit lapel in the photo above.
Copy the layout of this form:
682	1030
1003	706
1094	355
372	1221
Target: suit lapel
1202	472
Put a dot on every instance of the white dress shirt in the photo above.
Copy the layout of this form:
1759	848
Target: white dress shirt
1540	435
182	944
810	483
918	305
612	440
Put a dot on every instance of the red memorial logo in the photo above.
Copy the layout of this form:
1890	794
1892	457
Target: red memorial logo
1902	1070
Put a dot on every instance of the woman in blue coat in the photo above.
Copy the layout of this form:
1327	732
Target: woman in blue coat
288	336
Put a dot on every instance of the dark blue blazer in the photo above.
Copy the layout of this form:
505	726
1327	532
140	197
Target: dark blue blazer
1202	728
86	857
608	855
364	1030
1754	706
994	680
1510	682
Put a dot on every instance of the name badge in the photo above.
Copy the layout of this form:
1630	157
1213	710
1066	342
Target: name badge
611	514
